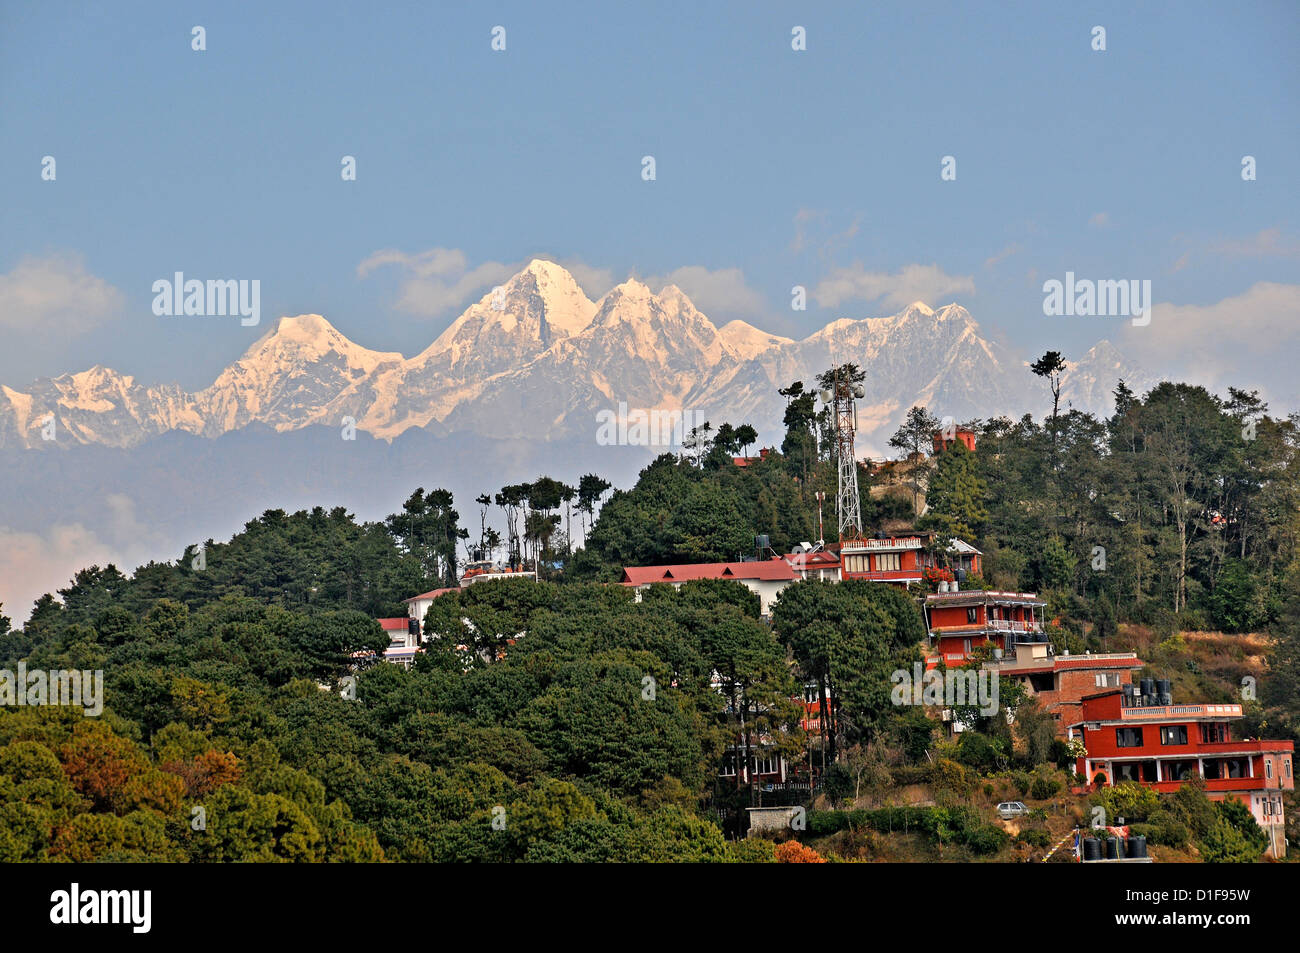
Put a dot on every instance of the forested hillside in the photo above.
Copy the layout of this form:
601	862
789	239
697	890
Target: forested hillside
245	716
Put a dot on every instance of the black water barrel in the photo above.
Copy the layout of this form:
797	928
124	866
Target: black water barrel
1137	846
1112	848
1148	686
1091	848
1163	686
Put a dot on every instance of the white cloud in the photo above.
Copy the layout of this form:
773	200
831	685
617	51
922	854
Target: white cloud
57	294
32	564
1249	340
722	292
928	283
1012	249
438	280
1267	243
593	281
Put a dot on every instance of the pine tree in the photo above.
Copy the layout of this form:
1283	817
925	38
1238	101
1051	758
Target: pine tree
957	494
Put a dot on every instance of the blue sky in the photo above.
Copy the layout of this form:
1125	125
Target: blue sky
774	168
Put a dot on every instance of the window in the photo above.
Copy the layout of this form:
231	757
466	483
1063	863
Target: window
972	615
1128	737
1268	768
1107	680
1214	733
888	562
1173	735
857	563
1287	762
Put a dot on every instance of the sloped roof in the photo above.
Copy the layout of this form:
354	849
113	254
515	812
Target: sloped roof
767	570
433	593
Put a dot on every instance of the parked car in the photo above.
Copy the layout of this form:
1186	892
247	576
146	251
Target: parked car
1009	809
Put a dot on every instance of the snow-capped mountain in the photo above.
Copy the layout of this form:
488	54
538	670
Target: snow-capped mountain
537	359
1089	383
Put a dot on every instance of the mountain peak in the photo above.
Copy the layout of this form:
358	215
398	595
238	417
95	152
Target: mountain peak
302	327
920	306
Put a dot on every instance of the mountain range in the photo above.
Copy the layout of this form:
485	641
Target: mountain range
537	359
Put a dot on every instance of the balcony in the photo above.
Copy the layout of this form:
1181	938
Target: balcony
875	545
883	575
1012	625
1175	712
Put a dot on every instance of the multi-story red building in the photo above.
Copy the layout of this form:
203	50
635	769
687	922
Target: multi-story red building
1060	681
901	560
1136	733
960	621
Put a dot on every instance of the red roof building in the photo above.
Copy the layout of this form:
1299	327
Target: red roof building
1138	734
960	621
1060	682
902	560
766	577
943	439
815	564
750	461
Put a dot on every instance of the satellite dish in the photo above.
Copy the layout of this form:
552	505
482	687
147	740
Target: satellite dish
859	390
826	395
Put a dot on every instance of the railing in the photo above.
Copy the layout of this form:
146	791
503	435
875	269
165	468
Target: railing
1142	713
893	542
1013	625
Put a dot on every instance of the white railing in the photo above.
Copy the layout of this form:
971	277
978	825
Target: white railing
891	543
1011	625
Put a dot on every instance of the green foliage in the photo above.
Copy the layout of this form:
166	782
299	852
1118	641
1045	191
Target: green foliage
1127	799
1233	837
1035	837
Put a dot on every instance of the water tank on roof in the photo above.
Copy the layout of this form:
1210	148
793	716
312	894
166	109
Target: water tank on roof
1163	686
1091	848
1112	848
1148	686
1137	846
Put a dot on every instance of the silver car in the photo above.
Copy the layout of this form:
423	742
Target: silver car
1009	809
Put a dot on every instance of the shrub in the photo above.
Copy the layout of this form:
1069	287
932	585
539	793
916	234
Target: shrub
1035	837
793	852
821	823
1162	828
1128	799
1022	780
1044	786
987	839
